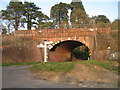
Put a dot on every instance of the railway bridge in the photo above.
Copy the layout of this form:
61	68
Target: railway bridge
64	41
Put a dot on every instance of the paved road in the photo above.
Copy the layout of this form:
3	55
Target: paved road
20	77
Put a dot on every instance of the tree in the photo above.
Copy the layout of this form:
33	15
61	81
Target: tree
4	31
75	5
42	20
78	15
81	52
13	14
17	14
7	20
102	21
45	25
115	24
30	12
59	14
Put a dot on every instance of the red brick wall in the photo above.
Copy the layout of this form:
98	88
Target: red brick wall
84	35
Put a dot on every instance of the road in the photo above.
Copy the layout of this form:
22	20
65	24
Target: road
21	77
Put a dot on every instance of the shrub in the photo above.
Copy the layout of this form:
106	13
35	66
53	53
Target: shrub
81	53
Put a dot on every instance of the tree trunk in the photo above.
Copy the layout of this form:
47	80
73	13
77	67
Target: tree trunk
29	23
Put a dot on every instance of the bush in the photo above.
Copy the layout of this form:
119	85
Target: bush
82	54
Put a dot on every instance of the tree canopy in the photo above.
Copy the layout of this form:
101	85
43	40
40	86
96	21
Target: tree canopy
59	14
30	13
20	14
13	14
78	15
102	21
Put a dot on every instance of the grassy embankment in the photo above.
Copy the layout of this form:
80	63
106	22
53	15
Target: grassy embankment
68	66
64	66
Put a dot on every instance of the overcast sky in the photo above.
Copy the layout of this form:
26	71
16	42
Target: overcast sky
92	7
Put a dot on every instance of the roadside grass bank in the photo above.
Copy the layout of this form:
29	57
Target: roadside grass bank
65	66
109	65
53	66
68	66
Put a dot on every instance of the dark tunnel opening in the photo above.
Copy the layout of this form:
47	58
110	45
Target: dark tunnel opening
81	53
68	51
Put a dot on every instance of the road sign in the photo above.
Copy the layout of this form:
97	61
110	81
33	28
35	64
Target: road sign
49	46
45	46
40	45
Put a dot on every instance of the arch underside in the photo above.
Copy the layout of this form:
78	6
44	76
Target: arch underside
62	51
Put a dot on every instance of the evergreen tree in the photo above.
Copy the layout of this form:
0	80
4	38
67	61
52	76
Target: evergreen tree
4	31
13	14
41	20
59	15
102	21
30	10
78	15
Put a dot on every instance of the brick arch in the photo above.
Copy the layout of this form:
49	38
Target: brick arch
61	50
55	43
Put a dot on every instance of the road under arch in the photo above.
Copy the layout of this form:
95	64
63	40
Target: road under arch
62	51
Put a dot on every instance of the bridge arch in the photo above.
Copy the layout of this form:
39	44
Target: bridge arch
62	50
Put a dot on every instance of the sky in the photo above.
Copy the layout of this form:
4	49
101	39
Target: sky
108	8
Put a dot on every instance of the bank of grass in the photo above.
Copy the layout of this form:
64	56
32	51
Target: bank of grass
64	66
68	66
53	66
107	65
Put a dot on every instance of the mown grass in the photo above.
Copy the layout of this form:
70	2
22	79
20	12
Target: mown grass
106	65
54	66
63	66
68	66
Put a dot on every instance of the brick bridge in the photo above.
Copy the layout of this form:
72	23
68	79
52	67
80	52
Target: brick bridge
64	40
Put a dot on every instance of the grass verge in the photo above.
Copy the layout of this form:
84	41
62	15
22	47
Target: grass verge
53	66
107	65
15	64
68	66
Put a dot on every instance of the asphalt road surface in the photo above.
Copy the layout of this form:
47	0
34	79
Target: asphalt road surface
21	77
